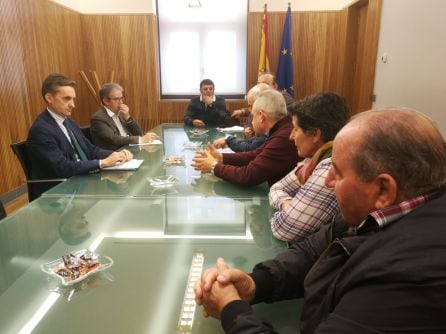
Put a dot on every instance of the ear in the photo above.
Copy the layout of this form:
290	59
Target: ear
387	191
317	136
49	97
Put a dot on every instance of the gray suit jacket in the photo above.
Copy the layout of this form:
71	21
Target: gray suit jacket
105	133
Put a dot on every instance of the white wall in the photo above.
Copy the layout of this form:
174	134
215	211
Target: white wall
148	6
413	35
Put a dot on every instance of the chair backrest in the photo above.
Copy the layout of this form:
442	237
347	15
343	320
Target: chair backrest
86	131
2	211
21	151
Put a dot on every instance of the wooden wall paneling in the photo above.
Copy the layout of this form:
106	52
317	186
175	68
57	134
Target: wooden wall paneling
368	54
126	44
14	119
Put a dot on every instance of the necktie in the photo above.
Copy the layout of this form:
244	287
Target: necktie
80	152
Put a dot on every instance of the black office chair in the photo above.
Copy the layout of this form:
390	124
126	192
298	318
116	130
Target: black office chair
86	131
2	211
35	187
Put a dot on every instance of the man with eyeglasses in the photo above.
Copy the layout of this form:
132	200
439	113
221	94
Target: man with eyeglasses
206	109
56	144
112	126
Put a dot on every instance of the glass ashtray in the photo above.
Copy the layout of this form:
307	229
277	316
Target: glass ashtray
164	181
76	266
192	145
199	131
174	160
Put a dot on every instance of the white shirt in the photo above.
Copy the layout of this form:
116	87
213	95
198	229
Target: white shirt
59	120
117	121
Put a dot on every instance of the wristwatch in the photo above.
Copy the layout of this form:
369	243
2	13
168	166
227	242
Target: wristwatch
213	167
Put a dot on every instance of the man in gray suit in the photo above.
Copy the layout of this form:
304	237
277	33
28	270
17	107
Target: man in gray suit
112	126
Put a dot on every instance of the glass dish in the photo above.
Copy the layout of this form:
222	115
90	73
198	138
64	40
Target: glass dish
51	268
163	181
174	160
192	145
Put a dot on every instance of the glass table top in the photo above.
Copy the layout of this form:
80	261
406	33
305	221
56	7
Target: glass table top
177	141
152	242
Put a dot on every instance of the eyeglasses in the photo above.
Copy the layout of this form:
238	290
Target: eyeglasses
117	98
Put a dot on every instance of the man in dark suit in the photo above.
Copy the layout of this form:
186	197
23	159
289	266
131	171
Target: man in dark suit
112	126
206	109
57	147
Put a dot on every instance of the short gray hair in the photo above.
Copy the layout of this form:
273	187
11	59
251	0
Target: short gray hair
107	88
272	103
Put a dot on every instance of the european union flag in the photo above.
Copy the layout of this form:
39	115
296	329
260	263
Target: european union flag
285	78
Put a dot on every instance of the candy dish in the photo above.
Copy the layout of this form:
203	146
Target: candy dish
76	266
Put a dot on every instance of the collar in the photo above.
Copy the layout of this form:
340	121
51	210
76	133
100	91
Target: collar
59	119
109	112
386	216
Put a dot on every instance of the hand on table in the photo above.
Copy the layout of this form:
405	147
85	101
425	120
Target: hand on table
220	142
198	123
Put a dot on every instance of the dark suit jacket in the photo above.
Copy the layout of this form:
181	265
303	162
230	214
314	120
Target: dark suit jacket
105	133
51	153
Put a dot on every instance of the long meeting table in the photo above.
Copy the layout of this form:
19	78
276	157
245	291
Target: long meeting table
160	240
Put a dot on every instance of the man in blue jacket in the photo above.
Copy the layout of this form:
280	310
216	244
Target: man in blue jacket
380	271
57	147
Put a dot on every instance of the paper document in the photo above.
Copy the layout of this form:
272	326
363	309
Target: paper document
153	142
235	128
129	165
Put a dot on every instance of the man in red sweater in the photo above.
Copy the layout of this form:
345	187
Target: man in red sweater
271	161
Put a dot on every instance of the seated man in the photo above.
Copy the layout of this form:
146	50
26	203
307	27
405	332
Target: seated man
251	142
271	161
383	271
301	198
112	126
206	109
57	147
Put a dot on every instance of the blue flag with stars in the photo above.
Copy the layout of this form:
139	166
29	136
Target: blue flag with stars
285	78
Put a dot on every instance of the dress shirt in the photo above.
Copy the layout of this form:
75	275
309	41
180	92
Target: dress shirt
392	213
311	204
59	120
117	121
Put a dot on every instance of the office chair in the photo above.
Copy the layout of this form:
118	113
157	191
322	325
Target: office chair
35	187
86	131
2	211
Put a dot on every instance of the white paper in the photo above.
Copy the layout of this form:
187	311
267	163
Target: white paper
234	128
129	165
153	142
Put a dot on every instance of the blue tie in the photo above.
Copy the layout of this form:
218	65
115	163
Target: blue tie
80	152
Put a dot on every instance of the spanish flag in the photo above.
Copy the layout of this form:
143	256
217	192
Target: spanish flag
264	45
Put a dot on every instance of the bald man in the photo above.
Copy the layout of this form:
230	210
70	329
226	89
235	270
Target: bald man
383	269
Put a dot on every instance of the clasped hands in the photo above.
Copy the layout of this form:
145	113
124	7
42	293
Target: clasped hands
205	159
220	286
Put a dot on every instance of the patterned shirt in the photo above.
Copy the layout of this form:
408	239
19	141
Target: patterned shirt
392	213
310	206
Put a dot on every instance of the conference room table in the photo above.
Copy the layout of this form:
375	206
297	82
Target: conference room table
159	240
